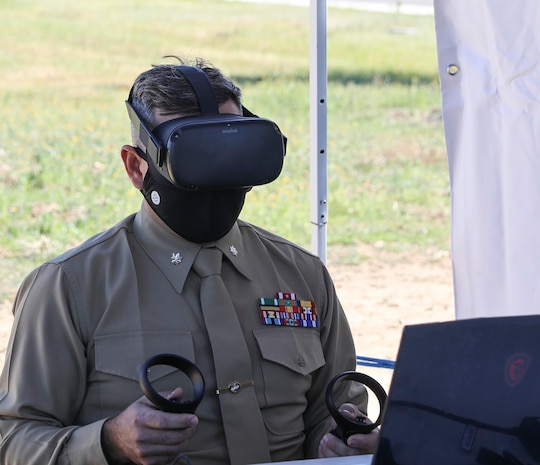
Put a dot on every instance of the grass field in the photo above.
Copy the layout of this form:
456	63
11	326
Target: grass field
67	69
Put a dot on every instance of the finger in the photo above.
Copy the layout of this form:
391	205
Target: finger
332	446
151	417
364	443
352	412
325	447
172	438
347	413
161	455
175	395
157	419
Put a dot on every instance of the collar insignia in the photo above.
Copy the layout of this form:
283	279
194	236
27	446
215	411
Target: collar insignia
176	258
286	310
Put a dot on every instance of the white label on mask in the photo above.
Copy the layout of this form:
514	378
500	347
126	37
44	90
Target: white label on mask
156	199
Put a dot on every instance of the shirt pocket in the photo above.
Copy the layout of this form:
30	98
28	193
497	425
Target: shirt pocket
119	357
289	356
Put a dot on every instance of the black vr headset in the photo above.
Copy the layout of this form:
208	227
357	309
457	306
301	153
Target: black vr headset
212	151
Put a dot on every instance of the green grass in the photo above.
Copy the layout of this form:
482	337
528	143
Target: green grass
67	68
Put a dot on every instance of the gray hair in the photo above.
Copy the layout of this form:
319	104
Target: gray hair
163	87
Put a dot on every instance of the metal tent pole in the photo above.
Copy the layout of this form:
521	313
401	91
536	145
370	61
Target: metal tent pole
318	127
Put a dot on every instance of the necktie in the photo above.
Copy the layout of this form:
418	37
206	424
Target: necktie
244	428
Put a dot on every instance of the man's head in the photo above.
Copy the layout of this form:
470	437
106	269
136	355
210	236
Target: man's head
197	149
161	94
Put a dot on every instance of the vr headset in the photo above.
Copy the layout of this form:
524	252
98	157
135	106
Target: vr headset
212	151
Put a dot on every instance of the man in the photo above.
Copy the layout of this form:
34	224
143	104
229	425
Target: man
86	321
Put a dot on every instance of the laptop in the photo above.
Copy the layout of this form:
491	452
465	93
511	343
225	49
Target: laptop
465	392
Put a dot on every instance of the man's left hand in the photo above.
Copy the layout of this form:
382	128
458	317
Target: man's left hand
357	444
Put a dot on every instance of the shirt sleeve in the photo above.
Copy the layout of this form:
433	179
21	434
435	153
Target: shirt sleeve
340	356
43	383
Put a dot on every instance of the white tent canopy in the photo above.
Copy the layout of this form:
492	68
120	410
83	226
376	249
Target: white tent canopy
489	67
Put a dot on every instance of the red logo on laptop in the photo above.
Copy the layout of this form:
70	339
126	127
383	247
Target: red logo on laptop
516	368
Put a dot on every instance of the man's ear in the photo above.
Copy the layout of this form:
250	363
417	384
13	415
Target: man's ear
135	166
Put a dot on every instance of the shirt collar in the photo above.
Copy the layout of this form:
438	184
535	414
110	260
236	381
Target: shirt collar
175	255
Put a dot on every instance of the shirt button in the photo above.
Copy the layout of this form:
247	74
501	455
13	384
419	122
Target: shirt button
301	361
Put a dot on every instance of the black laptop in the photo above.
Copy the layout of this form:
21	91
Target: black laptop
465	392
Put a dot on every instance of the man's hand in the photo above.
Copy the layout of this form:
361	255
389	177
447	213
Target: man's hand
357	444
144	435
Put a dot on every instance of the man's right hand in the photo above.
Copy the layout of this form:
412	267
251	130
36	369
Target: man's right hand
144	435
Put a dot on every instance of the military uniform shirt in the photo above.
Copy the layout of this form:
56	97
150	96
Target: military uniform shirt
86	321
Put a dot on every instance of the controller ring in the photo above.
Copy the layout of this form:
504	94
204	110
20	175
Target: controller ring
184	365
346	427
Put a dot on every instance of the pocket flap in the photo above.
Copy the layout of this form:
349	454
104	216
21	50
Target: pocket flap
123	354
299	350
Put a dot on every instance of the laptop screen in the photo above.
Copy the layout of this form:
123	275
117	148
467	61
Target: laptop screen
465	393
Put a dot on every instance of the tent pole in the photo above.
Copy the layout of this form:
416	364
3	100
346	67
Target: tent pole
318	127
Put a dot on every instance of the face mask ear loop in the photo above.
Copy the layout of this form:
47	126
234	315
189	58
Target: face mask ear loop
141	154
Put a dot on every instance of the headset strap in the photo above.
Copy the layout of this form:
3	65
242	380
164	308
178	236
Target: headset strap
202	88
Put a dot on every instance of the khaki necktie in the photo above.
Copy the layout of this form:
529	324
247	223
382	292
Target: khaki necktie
244	428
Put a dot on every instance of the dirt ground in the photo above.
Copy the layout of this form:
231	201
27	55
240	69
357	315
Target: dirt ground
380	295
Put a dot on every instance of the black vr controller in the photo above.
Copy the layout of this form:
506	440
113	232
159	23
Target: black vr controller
212	151
185	366
346	427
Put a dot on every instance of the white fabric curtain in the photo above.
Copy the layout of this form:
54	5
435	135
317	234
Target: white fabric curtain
489	67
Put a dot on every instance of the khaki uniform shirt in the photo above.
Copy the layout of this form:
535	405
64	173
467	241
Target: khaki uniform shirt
86	321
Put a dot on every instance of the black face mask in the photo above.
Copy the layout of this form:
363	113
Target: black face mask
198	216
